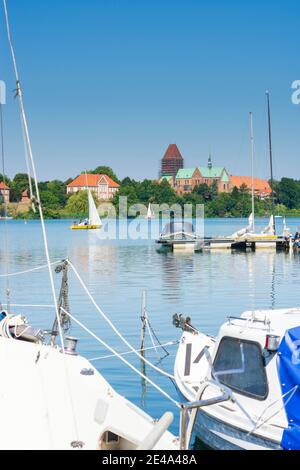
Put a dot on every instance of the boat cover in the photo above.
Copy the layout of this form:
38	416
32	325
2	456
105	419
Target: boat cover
178	226
289	373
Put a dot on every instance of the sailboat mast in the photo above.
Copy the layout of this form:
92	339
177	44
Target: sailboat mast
87	190
271	159
252	169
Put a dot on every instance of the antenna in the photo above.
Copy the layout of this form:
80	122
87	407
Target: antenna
252	168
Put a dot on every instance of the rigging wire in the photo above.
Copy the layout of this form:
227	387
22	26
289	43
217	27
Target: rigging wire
18	273
7	287
37	201
110	323
19	94
115	353
127	353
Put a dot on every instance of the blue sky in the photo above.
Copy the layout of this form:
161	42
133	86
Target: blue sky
113	82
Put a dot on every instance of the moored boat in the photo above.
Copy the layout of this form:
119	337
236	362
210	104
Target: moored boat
255	359
69	403
180	235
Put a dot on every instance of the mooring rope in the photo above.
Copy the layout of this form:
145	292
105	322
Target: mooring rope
115	353
110	323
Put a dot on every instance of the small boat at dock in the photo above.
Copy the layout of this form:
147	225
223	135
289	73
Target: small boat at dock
245	381
180	235
246	238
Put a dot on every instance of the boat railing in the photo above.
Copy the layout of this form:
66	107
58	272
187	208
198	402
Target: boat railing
187	422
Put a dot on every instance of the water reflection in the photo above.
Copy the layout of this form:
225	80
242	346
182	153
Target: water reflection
206	286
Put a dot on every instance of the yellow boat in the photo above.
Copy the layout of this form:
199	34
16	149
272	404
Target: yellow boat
94	221
85	227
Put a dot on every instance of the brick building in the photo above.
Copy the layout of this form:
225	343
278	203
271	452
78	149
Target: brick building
171	162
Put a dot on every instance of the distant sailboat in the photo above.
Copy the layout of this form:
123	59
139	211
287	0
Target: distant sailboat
270	230
150	214
93	222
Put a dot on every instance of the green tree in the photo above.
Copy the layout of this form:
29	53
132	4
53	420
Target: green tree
5	179
19	184
105	170
59	189
125	191
288	193
77	205
206	193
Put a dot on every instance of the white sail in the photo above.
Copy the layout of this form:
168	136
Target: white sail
150	213
269	230
248	229
94	218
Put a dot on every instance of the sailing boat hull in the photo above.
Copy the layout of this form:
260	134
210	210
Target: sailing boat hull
85	227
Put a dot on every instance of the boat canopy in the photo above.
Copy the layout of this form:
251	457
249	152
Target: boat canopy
178	227
289	373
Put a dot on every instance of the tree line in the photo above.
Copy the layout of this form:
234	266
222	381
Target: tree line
57	204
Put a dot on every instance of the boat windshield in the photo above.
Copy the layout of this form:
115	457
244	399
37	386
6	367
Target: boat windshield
175	227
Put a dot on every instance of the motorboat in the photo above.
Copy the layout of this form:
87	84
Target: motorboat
180	235
254	362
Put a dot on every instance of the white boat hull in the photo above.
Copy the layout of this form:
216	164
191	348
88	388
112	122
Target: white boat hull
221	436
59	402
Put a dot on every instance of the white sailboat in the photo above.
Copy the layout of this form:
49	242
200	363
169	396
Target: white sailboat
51	397
249	232
150	213
93	222
248	235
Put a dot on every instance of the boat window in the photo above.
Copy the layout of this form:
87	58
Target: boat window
239	365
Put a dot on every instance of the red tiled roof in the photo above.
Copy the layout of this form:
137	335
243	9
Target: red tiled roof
3	185
260	185
91	180
172	152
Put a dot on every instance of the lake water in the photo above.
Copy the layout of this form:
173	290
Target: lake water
206	286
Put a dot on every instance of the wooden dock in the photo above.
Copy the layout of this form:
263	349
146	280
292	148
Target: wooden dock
247	244
226	243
